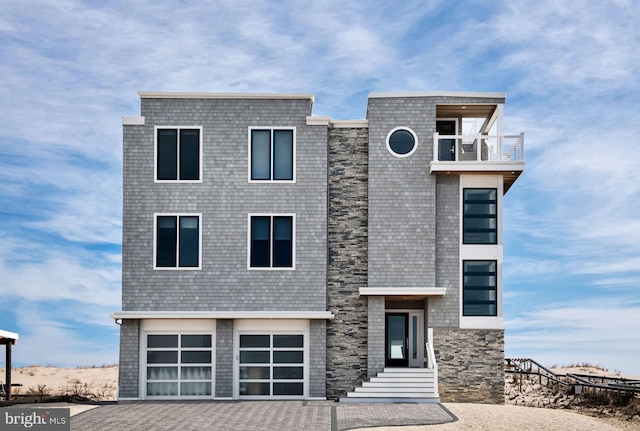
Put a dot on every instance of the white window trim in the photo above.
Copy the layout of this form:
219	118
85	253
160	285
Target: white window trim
415	139
155	155
271	180
293	243
175	326
259	326
481	252
155	241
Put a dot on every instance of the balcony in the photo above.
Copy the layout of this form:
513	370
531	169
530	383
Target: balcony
479	154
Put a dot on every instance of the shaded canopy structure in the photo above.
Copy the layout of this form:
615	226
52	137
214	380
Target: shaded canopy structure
8	339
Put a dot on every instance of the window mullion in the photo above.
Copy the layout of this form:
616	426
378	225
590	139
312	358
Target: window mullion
178	144
272	243
177	241
271	152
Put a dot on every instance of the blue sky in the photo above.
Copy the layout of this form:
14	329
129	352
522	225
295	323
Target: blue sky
571	71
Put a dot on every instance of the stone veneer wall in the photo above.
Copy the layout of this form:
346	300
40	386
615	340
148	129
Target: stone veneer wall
347	265
470	365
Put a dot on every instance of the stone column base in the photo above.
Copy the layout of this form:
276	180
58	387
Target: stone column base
470	364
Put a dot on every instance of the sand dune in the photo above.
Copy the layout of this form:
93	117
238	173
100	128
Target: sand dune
99	383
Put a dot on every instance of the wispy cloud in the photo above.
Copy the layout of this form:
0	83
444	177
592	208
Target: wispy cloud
604	330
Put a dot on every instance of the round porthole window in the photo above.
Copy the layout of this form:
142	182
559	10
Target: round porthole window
402	142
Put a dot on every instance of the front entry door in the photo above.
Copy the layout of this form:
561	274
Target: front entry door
397	339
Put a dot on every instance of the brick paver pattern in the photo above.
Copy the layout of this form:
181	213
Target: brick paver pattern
255	415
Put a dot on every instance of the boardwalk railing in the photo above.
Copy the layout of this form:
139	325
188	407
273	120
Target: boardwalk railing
529	367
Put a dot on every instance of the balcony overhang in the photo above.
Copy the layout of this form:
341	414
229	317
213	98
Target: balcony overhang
510	171
408	292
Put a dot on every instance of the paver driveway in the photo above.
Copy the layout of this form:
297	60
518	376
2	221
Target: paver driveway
255	415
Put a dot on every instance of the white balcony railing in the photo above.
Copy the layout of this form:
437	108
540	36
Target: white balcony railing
478	148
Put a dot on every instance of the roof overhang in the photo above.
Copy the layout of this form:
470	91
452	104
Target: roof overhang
312	315
413	292
187	95
405	94
7	337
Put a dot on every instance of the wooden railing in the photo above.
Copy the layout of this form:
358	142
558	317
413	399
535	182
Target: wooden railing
432	364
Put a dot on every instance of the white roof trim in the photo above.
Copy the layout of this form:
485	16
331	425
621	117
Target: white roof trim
318	121
338	124
7	334
133	121
222	315
347	124
436	94
181	95
402	291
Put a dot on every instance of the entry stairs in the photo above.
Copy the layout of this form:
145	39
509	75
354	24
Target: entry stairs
398	385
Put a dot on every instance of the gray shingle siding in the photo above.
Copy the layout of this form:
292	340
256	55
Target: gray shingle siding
128	382
401	196
225	198
444	312
224	354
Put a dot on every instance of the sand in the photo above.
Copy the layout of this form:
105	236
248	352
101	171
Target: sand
98	383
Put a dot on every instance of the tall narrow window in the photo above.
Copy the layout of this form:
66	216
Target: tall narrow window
272	155
480	218
480	288
271	241
177	241
178	153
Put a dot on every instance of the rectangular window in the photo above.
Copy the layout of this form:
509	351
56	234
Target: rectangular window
271	365
177	241
480	288
178	154
272	155
179	365
271	240
480	220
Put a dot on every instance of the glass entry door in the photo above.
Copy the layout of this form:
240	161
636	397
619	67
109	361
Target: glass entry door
397	339
446	147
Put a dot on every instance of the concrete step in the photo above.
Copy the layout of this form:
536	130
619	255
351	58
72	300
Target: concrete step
407	370
370	390
402	374
413	400
395	384
402	379
390	395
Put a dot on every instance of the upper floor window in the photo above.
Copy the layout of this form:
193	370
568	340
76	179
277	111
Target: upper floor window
402	142
479	288
271	241
178	154
480	219
177	241
272	155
